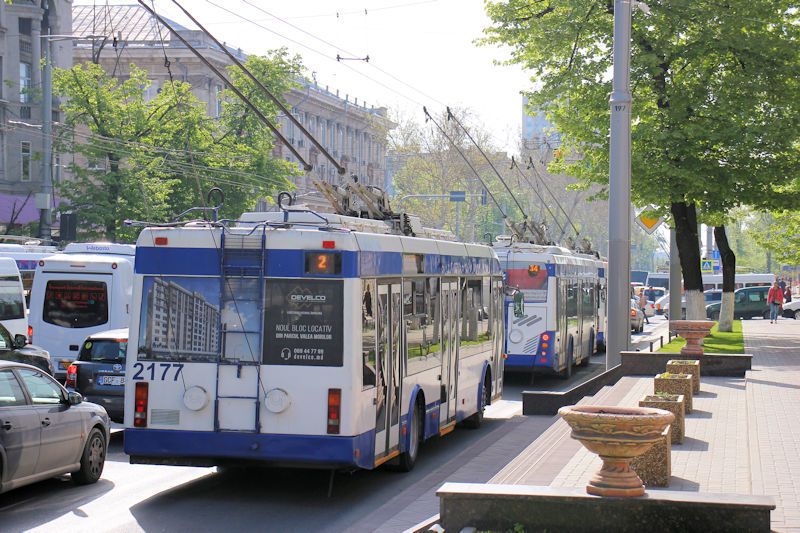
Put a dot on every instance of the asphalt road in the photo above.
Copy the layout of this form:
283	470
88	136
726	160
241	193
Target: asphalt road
164	498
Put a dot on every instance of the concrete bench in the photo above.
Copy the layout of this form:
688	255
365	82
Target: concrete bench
502	507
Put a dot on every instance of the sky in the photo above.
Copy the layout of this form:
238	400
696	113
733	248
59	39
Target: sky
421	52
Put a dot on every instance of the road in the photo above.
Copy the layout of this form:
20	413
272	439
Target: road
133	498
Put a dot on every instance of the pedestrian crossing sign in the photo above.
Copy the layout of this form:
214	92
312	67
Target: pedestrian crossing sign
706	266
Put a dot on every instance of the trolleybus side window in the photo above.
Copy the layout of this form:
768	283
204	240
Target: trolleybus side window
422	324
75	303
368	340
179	319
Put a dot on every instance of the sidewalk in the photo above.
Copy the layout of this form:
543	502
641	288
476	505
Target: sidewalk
743	437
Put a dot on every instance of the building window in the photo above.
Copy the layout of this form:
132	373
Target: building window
25	111
24	82
57	168
25	26
25	160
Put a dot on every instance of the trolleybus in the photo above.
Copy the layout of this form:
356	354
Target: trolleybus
289	339
552	308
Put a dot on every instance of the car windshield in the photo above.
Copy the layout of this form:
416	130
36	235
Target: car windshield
11	306
713	296
104	350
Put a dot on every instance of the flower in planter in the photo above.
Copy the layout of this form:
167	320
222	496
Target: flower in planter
688	366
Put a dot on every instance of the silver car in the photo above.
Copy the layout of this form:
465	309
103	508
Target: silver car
46	431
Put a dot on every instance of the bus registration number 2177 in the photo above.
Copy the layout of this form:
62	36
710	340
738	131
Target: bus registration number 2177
157	371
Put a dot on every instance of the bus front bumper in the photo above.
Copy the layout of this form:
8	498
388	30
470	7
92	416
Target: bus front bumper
210	448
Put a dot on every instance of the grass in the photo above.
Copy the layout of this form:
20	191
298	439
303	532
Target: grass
715	343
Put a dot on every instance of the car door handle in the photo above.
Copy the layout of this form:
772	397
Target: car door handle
46	422
6	425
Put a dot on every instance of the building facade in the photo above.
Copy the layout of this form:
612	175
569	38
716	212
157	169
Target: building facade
24	25
351	132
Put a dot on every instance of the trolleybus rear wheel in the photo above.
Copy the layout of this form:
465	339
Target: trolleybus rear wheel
415	432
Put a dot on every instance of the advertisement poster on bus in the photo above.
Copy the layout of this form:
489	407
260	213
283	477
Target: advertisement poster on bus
303	323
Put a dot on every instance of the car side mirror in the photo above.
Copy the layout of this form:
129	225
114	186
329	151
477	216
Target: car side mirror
74	398
19	341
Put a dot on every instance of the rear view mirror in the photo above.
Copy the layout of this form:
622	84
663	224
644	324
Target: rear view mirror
20	341
75	398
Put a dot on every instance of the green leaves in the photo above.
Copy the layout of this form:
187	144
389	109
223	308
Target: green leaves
150	158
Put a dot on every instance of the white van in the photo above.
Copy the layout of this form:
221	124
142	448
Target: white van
13	311
27	256
85	290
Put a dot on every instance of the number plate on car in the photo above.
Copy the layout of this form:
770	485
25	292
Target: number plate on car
64	364
111	380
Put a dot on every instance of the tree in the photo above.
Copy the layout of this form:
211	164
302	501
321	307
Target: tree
715	91
781	237
151	159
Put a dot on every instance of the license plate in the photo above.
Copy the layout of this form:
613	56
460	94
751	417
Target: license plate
64	364
111	380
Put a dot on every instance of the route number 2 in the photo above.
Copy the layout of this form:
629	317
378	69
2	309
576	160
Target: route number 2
157	371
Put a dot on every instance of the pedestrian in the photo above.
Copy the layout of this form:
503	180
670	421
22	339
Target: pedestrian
643	304
781	284
787	296
774	300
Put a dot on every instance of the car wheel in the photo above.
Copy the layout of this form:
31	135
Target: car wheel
409	457
765	315
797	315
714	316
92	460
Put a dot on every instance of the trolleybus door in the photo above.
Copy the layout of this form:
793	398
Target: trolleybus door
450	331
387	367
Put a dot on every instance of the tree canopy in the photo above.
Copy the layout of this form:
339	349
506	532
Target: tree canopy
149	159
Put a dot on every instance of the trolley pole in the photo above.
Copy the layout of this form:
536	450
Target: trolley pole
619	196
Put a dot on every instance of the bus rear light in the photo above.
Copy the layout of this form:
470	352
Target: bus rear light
161	241
544	346
41	262
140	405
633	313
329	245
113	266
30	334
72	376
334	410
545	337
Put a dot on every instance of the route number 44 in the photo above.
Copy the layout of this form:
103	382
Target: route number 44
157	371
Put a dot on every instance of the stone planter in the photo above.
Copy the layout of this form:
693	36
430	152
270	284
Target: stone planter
675	384
674	403
693	331
654	467
686	366
617	435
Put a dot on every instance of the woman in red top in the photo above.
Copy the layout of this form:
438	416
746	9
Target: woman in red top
775	300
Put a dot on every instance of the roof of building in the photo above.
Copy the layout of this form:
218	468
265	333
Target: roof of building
133	21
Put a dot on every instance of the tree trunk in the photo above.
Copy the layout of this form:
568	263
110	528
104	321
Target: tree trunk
728	259
685	218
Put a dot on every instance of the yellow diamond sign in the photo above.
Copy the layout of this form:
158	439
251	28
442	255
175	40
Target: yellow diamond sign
648	222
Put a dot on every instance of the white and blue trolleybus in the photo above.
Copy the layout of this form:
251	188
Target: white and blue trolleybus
291	339
554	307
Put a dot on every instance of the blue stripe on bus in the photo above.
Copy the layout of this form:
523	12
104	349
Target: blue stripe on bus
520	361
318	450
291	263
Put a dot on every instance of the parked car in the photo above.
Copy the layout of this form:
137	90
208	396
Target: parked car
99	372
710	296
15	349
748	302
637	319
792	309
46	431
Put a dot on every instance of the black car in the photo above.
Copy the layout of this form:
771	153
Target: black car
99	372
15	349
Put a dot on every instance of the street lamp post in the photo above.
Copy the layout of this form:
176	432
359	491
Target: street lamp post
619	195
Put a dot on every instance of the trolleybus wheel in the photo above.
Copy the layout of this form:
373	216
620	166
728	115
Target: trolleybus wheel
567	372
415	432
475	421
588	356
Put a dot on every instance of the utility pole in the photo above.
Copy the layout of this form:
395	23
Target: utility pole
619	196
675	285
44	200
